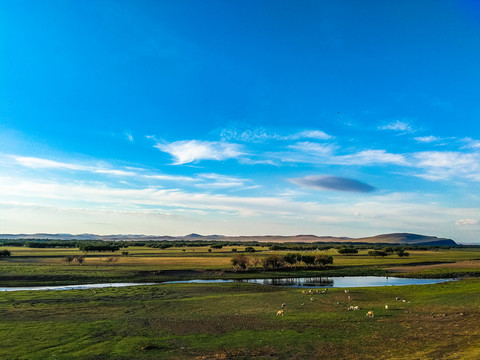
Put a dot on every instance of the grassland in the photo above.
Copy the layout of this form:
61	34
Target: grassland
232	320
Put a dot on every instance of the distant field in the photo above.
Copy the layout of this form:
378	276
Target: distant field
47	266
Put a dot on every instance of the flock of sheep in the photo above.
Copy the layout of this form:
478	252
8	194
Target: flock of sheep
369	313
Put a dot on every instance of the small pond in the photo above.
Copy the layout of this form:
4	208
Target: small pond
302	282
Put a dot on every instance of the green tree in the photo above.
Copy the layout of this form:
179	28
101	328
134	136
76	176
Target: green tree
402	253
249	249
291	258
376	253
323	260
308	259
272	262
347	250
4	254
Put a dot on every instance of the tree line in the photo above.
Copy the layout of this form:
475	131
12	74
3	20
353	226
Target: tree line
275	261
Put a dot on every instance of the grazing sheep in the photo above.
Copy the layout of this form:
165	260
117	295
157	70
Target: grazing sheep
350	308
346	291
404	300
349	297
284	306
386	307
280	312
310	291
398	299
370	314
356	308
311	299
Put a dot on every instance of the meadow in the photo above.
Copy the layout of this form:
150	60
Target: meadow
235	320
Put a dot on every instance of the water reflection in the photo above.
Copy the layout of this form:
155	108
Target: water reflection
347	281
303	282
296	282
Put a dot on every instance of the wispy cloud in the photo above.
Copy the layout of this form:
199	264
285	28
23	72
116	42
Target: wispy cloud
335	183
129	136
262	135
325	153
309	134
188	151
220	181
467	222
368	157
471	143
427	139
448	164
397	125
40	163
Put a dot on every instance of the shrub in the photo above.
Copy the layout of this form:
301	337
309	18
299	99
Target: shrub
376	253
323	260
291	258
272	262
347	250
4	254
240	261
249	249
402	253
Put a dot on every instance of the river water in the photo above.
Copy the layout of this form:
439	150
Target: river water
301	282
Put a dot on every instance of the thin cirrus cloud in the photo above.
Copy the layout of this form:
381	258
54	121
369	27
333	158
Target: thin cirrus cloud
427	139
467	222
188	151
335	183
397	126
261	135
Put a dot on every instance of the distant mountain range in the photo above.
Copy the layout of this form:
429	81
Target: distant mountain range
395	238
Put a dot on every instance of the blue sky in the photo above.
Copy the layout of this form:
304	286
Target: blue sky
338	118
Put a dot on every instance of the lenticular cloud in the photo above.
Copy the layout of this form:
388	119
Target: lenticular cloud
335	183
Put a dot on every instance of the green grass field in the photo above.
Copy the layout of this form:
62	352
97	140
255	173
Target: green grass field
232	320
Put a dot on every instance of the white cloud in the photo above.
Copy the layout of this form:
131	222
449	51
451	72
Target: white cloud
448	165
324	153
314	148
471	143
261	135
397	126
368	157
427	139
188	151
220	181
310	134
467	222
129	136
38	163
